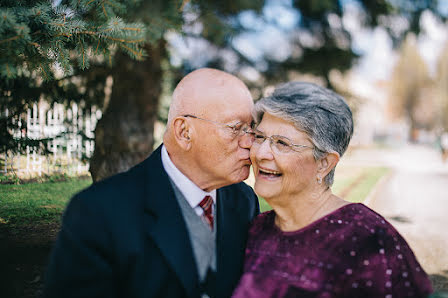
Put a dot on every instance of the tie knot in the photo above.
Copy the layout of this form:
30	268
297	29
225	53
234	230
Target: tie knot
206	205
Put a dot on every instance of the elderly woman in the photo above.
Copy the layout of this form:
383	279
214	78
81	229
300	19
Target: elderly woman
313	243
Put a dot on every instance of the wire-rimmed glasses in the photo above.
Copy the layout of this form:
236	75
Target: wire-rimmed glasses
238	129
279	144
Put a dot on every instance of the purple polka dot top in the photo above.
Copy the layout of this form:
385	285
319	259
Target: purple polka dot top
351	252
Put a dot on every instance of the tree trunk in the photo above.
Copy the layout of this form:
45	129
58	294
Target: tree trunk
124	135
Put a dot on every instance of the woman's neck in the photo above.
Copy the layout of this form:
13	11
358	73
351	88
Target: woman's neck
298	211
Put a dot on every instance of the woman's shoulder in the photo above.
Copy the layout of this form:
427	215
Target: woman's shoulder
368	223
363	217
263	217
363	232
378	238
373	246
263	220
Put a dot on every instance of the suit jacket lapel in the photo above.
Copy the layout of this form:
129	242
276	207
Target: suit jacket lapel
230	243
166	227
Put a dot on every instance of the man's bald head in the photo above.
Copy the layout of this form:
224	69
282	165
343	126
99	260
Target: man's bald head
209	148
205	89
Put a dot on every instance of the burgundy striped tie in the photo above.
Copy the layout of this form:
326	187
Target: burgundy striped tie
206	205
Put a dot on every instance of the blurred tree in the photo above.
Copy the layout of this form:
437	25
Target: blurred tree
332	48
39	41
408	85
92	29
308	40
41	37
441	83
320	40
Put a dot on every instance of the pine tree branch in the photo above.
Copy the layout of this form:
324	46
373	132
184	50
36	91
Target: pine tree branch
104	10
132	29
138	55
97	46
11	38
125	41
44	72
82	52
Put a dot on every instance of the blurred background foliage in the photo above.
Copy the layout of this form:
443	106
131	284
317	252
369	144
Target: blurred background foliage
125	57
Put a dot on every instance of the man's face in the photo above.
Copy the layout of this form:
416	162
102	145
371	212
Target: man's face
223	156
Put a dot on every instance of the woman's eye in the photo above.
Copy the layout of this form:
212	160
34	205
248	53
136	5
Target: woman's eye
282	143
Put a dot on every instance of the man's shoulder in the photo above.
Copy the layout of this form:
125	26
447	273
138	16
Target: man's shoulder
125	184
111	185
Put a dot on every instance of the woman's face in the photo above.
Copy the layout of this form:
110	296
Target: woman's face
279	174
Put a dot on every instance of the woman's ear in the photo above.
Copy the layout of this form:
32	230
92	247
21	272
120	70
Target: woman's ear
182	132
327	163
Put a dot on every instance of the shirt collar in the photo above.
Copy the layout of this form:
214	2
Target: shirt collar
192	193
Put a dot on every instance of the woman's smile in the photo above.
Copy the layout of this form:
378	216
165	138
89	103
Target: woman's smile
268	174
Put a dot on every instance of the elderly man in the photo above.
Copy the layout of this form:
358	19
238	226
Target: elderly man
176	224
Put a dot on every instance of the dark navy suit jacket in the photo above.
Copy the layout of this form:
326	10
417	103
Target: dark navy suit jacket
125	237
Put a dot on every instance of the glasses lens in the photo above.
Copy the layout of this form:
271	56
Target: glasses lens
245	129
280	145
259	138
241	129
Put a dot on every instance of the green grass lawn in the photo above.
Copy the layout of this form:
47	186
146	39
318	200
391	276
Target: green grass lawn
359	189
352	184
35	203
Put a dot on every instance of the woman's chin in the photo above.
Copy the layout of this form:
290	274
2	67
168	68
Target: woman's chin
264	191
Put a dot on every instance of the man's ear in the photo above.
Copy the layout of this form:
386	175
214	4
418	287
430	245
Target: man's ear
182	132
327	163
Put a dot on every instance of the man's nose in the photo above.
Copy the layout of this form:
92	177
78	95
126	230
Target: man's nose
246	140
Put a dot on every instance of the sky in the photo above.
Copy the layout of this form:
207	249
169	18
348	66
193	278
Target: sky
375	45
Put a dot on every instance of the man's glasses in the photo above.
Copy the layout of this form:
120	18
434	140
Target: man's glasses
278	144
236	130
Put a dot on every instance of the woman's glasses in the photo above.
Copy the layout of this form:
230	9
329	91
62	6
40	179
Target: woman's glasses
278	144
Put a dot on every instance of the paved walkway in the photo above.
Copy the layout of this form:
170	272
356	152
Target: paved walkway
414	198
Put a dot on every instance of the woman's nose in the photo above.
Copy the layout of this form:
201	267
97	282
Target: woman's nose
263	150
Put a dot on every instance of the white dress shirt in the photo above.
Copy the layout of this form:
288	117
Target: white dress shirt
192	193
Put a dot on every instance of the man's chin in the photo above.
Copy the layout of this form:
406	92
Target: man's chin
244	173
238	175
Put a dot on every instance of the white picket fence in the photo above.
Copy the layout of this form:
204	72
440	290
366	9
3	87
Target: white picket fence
66	148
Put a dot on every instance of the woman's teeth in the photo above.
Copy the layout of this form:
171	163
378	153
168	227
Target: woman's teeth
269	172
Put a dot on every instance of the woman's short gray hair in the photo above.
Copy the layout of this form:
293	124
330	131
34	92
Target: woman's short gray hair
319	112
